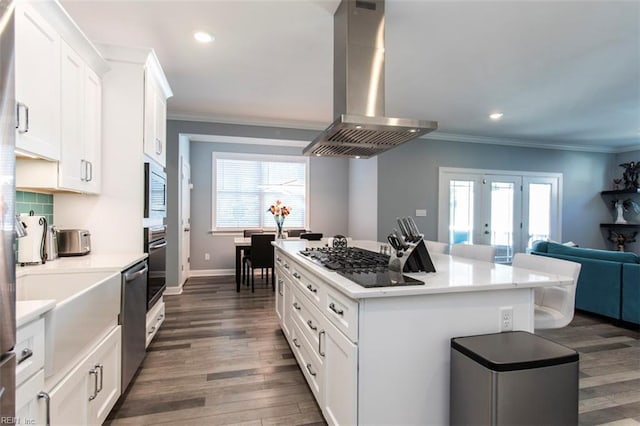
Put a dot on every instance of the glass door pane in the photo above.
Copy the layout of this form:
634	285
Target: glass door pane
502	225
539	212
461	205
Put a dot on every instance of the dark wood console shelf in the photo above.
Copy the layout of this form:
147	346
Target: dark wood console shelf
621	192
620	225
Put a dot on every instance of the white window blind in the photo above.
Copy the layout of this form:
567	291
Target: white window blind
246	185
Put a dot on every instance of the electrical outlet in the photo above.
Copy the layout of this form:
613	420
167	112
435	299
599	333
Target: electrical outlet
207	256
506	318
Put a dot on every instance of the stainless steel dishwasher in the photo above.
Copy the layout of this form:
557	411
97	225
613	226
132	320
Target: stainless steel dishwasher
133	315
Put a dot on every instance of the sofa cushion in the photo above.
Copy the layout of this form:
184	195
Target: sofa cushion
540	246
631	293
612	256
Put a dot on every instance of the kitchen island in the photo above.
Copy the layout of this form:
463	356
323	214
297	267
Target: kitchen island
377	356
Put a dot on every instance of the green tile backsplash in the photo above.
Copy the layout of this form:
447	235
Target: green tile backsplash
41	204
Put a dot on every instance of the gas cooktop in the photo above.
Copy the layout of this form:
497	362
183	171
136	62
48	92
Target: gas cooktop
364	267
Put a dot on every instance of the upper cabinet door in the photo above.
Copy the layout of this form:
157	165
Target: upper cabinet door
37	84
92	130
155	119
72	172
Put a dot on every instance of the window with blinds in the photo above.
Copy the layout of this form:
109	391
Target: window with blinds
245	185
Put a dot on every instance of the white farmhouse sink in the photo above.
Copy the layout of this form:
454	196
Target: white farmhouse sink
87	307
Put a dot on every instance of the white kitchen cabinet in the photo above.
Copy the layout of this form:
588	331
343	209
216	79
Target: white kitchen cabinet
79	167
155	318
30	406
340	387
86	395
37	79
155	115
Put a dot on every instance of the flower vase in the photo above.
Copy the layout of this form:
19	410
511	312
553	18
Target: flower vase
279	224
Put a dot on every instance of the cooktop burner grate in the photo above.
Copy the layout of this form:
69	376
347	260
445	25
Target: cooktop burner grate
364	267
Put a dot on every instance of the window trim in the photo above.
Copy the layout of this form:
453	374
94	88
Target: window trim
255	157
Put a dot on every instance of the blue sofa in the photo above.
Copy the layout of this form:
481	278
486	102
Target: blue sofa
609	282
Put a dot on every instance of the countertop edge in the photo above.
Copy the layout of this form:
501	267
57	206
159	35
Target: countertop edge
30	310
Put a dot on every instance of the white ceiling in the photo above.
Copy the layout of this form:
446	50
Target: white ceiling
565	73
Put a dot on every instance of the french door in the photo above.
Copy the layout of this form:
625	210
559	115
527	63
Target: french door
508	210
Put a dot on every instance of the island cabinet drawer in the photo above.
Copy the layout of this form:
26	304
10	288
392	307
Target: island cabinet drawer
309	363
342	312
282	262
310	286
308	318
29	350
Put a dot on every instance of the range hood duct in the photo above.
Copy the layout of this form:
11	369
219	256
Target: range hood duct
361	129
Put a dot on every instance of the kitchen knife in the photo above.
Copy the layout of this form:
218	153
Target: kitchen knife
414	227
412	237
403	229
393	242
401	239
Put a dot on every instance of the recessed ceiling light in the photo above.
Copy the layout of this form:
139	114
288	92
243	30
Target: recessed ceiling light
318	155
358	127
203	37
357	156
413	130
496	116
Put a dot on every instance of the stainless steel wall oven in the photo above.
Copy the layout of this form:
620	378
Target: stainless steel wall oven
155	191
155	245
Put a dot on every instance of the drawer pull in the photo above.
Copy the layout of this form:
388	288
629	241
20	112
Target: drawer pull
93	372
295	343
286	266
311	326
332	306
100	367
153	328
47	400
25	355
295	305
320	342
311	289
311	371
296	275
279	259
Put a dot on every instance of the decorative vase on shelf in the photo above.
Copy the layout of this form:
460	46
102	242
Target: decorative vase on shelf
620	213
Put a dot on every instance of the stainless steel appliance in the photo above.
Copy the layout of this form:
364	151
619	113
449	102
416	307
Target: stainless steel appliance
51	243
155	191
32	247
133	314
155	245
74	242
361	129
7	213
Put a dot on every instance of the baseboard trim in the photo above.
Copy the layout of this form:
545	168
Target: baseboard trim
211	272
173	291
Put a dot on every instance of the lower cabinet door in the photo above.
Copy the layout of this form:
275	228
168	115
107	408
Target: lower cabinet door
69	399
339	402
30	410
106	361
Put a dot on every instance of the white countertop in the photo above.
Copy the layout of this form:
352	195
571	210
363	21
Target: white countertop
453	274
29	310
89	262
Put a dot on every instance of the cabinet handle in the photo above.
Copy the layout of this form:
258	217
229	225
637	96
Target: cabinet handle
311	326
295	343
89	171
158	146
280	287
93	372
332	306
311	289
296	275
153	328
279	260
26	110
295	305
311	371
286	266
83	170
47	404
25	355
160	317
320	342
100	367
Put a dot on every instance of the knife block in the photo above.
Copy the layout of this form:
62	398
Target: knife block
415	259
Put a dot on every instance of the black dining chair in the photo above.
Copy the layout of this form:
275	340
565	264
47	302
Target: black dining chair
261	256
247	252
311	236
295	233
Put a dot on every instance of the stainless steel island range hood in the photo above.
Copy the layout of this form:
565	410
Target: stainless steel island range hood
361	129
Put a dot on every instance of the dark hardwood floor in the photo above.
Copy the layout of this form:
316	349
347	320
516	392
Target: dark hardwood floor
220	358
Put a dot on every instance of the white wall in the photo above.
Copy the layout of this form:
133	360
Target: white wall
363	199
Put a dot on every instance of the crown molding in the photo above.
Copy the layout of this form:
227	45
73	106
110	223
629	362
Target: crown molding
436	136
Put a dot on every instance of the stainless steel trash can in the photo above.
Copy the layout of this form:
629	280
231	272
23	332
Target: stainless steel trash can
512	378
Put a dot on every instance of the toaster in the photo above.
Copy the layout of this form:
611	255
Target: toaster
74	242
